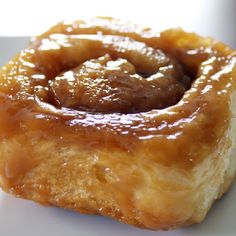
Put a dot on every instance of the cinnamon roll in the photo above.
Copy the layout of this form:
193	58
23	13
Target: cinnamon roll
106	117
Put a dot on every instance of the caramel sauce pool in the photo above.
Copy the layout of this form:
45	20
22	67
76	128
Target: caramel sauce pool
38	103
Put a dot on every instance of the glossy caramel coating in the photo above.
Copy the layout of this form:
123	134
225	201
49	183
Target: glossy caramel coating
30	73
102	86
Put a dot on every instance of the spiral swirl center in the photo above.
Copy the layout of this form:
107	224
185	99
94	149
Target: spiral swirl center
102	73
107	85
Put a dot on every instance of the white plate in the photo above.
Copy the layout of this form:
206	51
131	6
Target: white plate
25	218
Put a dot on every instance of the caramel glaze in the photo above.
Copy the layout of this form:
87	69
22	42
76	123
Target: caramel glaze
37	100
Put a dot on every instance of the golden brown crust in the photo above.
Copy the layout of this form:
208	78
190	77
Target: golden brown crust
125	157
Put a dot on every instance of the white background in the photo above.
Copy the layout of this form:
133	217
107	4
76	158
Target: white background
208	17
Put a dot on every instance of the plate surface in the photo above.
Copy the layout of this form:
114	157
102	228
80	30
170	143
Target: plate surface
25	218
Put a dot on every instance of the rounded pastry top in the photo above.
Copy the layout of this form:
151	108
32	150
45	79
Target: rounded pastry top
101	73
109	84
